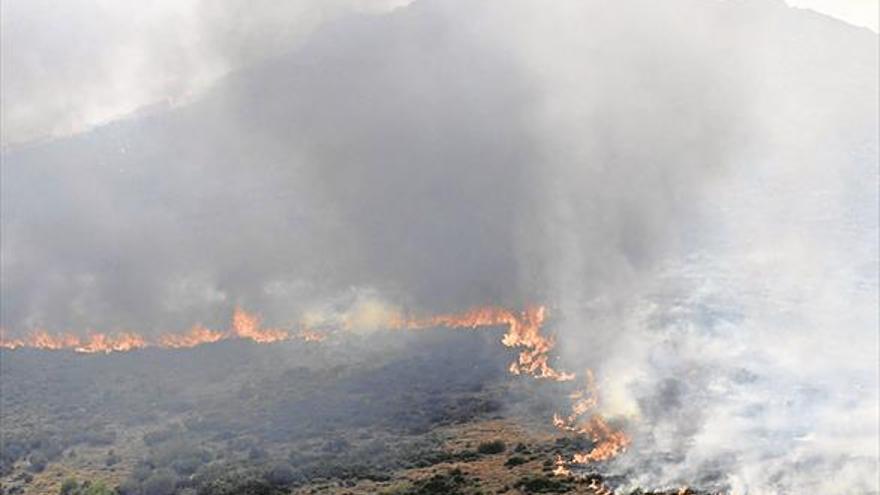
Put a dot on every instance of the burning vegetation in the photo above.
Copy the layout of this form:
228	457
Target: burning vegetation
244	325
524	332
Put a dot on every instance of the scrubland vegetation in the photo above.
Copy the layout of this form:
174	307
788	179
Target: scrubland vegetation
427	413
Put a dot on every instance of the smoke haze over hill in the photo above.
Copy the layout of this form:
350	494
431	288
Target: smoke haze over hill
690	186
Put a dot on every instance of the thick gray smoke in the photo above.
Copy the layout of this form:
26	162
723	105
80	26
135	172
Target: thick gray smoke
431	153
691	185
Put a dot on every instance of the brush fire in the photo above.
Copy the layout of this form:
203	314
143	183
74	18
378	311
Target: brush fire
439	247
524	332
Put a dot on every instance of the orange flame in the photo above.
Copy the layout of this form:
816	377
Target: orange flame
197	335
561	468
607	441
42	339
599	487
244	326
101	342
524	332
247	326
8	343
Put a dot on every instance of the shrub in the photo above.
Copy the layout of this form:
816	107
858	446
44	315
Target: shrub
161	482
467	456
237	482
154	437
141	471
97	488
281	474
181	456
451	483
69	487
129	487
543	484
493	447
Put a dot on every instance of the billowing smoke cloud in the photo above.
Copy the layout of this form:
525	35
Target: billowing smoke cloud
690	185
69	67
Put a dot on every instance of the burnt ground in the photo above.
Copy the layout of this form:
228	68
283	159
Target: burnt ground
431	412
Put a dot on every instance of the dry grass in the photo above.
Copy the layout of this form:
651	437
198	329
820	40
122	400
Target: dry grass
494	476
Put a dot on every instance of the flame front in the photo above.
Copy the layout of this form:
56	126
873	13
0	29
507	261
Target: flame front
244	326
197	335
95	342
100	342
608	442
247	326
46	341
524	332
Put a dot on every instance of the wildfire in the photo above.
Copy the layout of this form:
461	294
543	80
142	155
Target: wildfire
247	326
7	343
599	488
607	441
244	326
524	332
561	468
100	342
43	339
95	342
197	335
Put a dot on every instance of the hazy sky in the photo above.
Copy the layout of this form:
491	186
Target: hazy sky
857	12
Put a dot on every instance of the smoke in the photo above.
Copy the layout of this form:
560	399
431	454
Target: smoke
689	184
68	68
